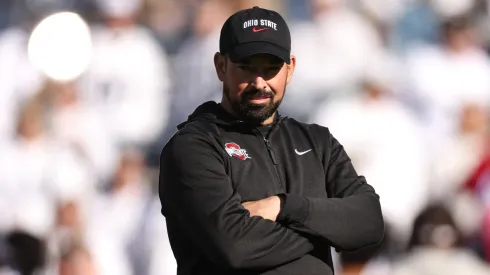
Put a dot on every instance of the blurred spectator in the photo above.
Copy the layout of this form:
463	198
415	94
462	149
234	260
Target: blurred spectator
77	261
477	191
455	163
82	128
19	79
128	79
418	21
436	248
68	231
195	61
385	143
444	77
69	223
417	25
36	171
118	216
461	154
329	53
169	21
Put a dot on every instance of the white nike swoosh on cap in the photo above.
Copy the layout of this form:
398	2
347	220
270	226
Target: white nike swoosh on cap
301	153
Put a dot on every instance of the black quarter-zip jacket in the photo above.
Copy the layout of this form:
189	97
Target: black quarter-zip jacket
215	162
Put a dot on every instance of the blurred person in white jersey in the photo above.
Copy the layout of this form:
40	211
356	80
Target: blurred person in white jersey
128	78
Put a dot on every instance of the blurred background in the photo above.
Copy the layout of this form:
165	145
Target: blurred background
91	90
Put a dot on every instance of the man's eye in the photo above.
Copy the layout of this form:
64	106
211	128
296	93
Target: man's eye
273	70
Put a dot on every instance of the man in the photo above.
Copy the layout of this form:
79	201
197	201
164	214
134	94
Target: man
246	191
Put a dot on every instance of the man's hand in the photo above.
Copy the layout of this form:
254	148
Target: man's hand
267	208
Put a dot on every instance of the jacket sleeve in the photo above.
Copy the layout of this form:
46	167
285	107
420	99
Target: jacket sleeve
197	193
350	218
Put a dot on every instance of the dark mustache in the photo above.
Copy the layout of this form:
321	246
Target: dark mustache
258	93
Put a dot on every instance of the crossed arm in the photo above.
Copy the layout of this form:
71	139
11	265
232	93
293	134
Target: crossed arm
199	194
349	219
348	224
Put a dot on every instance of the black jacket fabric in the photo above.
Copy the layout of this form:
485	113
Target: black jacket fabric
215	162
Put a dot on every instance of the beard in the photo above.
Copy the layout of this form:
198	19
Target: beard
254	113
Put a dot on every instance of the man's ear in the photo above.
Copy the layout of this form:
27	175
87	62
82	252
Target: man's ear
220	65
291	68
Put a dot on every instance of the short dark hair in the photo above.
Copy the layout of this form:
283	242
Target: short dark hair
25	252
432	217
456	23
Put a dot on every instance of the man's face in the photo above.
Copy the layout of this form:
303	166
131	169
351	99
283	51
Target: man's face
254	88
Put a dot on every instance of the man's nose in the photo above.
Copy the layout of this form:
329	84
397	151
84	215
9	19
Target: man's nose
259	82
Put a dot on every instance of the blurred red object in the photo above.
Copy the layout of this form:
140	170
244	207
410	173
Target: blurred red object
479	180
479	185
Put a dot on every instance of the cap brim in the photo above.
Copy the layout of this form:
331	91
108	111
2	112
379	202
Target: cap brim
246	50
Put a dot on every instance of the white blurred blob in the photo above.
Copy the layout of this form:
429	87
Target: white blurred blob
385	10
119	8
35	216
60	46
383	69
450	8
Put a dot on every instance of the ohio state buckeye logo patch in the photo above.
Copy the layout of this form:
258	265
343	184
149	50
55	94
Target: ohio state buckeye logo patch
234	150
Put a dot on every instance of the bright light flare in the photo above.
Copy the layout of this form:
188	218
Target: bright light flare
61	46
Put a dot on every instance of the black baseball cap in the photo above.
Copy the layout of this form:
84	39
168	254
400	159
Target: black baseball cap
255	31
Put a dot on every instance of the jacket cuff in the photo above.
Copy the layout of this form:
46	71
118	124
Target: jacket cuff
294	208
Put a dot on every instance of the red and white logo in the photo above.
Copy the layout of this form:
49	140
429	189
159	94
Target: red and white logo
234	149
